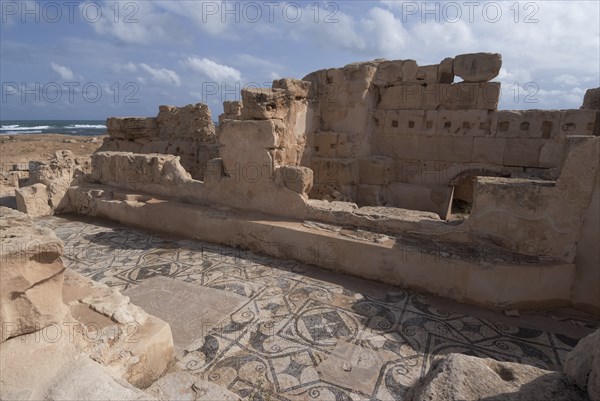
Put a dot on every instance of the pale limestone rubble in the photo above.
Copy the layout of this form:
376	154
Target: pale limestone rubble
386	146
64	336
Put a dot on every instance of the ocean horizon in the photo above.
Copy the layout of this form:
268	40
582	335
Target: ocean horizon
65	127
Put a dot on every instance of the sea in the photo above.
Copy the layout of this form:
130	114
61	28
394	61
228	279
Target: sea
66	127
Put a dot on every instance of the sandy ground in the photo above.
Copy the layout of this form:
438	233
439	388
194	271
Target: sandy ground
16	149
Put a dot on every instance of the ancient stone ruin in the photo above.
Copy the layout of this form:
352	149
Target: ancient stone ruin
385	170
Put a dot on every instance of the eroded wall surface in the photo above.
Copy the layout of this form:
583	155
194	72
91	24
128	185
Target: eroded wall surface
187	132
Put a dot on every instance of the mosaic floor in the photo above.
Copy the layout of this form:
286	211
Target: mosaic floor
302	332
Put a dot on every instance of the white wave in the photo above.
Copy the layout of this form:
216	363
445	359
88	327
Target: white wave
86	126
20	132
19	128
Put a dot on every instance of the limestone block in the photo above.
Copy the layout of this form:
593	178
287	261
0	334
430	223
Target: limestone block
33	200
593	384
553	153
246	144
591	99
397	147
466	122
434	94
488	150
581	362
528	123
468	378
348	145
132	344
446	71
132	127
403	122
191	121
334	171
264	103
296	88
406	96
389	73
131	170
456	149
579	122
31	275
466	96
325	143
429	198
477	67
375	170
182	386
522	152
428	148
428	74
369	195
298	179
56	369
349	119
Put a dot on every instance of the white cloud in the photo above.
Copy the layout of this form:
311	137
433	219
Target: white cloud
213	70
127	67
66	74
139	23
566	80
161	75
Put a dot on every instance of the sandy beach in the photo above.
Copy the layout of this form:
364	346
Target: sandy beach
17	149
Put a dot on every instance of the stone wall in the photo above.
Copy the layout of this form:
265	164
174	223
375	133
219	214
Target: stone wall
187	132
397	134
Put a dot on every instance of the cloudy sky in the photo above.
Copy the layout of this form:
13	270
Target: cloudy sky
89	60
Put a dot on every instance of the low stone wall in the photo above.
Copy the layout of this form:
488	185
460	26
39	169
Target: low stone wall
187	132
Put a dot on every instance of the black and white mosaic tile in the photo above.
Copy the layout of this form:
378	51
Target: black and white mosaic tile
304	333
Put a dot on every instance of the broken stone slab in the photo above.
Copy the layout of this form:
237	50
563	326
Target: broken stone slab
477	67
182	386
48	365
582	365
33	200
459	377
133	345
31	275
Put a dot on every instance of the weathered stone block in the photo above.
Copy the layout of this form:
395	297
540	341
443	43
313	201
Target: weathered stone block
488	150
446	71
542	124
296	88
477	67
132	127
31	275
265	104
369	195
403	122
375	170
334	171
34	200
466	122
553	153
406	96
428	74
298	179
591	99
325	143
191	121
522	152
579	122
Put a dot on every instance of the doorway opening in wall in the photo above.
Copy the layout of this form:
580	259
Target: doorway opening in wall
462	200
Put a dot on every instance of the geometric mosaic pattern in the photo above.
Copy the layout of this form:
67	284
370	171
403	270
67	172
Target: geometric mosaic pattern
301	322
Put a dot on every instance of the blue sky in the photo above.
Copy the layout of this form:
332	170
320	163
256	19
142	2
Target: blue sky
90	60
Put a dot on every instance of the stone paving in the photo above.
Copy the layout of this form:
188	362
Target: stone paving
277	329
